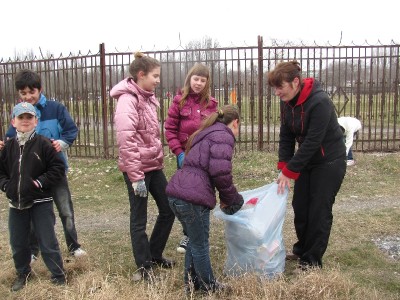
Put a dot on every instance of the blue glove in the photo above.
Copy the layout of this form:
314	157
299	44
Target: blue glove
180	158
140	188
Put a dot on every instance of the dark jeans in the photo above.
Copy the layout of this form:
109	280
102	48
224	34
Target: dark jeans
41	216
313	198
63	202
195	220
143	248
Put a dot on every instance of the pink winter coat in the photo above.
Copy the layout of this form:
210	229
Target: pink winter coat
182	122
138	130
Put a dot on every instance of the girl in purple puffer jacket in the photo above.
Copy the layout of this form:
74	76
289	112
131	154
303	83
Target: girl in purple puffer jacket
188	109
192	191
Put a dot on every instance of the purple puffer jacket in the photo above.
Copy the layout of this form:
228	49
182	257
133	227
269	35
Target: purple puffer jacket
208	166
181	123
138	130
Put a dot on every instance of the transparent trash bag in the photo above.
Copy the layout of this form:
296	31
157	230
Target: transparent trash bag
254	234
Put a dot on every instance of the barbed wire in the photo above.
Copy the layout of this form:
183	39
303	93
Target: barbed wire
270	43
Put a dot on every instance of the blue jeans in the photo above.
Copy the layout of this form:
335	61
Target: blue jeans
144	250
350	154
63	202
195	220
41	216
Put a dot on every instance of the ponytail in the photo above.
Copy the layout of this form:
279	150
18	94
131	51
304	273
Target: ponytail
225	115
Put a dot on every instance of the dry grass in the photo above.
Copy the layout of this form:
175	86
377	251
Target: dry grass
367	206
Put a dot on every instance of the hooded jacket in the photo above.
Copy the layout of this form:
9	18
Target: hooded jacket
21	165
183	122
138	130
310	119
208	166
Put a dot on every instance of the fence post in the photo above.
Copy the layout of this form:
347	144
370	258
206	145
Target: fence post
260	94
104	99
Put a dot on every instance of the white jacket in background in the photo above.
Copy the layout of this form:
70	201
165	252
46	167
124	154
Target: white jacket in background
351	126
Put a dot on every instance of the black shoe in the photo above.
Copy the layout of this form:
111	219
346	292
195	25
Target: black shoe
292	256
163	262
145	274
58	280
216	287
20	282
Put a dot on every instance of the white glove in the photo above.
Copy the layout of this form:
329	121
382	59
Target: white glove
139	188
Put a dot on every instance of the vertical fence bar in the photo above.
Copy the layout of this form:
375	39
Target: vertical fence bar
104	100
260	94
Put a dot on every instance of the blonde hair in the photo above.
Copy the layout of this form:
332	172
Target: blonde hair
142	63
225	115
197	70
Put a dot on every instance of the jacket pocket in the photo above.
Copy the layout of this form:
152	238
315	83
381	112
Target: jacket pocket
185	112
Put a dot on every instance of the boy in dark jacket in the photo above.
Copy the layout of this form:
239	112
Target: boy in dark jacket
55	123
29	168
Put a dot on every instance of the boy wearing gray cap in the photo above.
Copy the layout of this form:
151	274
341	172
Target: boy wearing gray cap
29	168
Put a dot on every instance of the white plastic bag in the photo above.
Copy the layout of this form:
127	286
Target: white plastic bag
254	234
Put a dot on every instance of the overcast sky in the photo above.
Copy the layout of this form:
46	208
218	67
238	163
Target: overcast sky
81	25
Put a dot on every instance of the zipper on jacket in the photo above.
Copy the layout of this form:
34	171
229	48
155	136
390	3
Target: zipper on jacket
21	150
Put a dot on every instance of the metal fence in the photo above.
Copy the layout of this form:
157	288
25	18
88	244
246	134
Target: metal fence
363	82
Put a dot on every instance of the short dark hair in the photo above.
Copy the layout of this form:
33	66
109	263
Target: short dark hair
27	78
284	71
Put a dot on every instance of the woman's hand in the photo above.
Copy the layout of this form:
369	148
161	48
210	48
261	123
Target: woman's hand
283	182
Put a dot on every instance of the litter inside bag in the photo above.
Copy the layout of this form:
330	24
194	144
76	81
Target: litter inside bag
254	234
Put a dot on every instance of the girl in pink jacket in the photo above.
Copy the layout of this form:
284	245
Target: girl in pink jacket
141	162
188	109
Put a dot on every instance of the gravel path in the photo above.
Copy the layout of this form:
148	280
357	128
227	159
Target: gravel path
388	244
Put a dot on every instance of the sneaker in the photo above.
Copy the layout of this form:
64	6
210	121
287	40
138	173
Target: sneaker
351	162
78	252
20	282
33	259
183	244
163	262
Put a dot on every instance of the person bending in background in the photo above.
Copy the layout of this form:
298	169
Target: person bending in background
350	126
319	164
188	109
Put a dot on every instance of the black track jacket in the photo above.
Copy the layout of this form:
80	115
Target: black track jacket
310	119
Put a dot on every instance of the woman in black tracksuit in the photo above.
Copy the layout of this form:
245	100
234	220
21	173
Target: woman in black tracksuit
318	166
